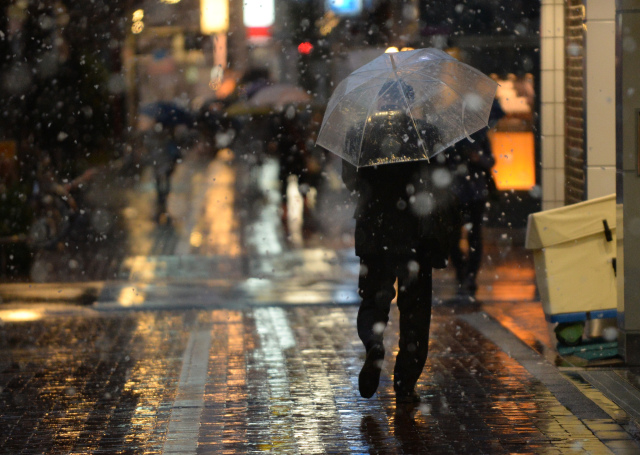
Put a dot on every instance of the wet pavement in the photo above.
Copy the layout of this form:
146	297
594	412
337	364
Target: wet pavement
216	334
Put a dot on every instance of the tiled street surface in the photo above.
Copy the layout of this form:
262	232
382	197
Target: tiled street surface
215	336
272	379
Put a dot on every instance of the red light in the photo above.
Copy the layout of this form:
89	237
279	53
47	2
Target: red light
258	32
305	48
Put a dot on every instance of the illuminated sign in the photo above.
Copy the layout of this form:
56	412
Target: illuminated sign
259	16
345	7
214	16
259	13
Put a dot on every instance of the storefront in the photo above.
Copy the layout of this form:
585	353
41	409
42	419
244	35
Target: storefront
515	65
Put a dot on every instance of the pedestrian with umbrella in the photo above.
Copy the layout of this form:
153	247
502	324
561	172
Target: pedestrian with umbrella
159	122
390	121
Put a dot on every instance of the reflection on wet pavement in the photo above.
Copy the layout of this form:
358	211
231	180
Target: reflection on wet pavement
225	233
68	384
214	229
526	320
210	364
274	380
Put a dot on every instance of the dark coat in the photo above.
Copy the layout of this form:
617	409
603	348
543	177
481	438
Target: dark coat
403	209
288	139
471	165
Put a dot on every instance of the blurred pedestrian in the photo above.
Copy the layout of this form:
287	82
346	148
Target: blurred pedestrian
405	216
472	165
163	156
218	129
289	142
163	125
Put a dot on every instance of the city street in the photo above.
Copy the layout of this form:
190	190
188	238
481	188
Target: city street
216	333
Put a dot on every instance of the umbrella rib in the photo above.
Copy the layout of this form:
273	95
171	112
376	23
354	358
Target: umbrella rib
374	99
421	72
386	77
368	81
461	97
420	140
358	87
415	69
372	70
434	60
408	70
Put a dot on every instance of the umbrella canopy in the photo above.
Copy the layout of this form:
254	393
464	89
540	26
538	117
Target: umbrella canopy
414	104
167	113
279	95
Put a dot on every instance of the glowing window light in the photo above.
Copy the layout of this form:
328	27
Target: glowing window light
214	16
391	50
515	160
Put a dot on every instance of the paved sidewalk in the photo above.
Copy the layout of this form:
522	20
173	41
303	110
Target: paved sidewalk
216	339
283	380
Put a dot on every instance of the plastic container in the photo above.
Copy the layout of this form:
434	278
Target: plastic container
574	250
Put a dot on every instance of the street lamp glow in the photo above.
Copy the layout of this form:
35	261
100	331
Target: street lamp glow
214	16
137	26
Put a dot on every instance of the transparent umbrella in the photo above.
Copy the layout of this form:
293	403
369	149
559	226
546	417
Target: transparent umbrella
426	98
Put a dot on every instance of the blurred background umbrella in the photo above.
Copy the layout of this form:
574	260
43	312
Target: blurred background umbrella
269	99
167	113
279	95
440	96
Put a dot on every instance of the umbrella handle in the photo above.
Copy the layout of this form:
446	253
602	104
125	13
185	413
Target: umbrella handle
464	127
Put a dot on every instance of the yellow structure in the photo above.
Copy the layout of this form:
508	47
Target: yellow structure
574	250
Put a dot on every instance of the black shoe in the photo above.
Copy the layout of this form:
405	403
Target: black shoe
370	374
407	397
465	294
468	287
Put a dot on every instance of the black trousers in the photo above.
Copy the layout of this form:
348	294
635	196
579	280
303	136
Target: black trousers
376	287
467	267
162	173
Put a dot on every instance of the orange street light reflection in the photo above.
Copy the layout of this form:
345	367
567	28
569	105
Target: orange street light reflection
20	315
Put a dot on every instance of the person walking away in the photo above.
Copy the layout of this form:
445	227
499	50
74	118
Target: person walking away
288	141
163	155
472	165
405	218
